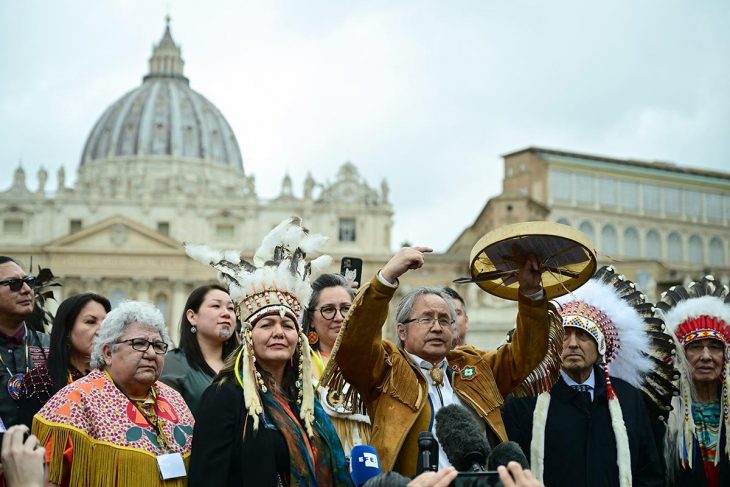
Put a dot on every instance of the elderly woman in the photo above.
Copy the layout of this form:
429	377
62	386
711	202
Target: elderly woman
207	337
119	425
75	325
330	301
259	423
698	452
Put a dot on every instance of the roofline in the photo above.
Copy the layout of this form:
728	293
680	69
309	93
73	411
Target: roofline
656	165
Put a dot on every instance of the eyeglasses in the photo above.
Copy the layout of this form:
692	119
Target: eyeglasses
329	312
16	284
142	345
428	321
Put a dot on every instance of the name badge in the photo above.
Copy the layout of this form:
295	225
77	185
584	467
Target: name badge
171	466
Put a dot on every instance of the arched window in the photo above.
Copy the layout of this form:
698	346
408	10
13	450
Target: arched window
563	221
161	303
609	242
696	252
674	247
653	245
717	252
587	229
631	242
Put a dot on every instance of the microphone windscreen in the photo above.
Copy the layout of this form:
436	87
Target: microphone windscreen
461	438
364	464
506	452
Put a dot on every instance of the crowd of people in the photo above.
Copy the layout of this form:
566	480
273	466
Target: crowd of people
282	373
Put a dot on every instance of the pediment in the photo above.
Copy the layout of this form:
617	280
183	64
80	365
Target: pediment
116	234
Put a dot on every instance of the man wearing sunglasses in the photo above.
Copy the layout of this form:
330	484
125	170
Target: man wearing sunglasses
20	347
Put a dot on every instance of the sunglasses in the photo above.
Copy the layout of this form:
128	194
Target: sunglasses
16	284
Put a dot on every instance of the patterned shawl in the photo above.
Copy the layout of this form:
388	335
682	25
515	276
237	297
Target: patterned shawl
95	436
316	461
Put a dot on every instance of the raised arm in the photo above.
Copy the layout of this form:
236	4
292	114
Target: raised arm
361	355
514	361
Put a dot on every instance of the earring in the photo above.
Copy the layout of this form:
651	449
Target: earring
312	337
193	329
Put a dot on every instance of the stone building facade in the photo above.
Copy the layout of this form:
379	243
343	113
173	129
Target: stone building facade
658	223
160	167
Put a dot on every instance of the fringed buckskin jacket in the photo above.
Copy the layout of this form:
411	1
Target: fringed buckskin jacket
395	391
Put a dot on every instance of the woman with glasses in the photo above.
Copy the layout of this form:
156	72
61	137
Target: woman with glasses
330	301
207	337
75	325
119	425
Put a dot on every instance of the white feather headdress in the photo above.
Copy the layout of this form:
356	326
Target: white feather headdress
633	346
276	282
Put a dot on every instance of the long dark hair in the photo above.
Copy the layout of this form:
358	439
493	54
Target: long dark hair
288	382
318	285
59	356
189	343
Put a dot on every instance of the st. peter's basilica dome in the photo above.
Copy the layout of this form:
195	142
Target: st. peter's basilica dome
163	117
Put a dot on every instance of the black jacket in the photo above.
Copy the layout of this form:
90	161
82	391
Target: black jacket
580	447
219	455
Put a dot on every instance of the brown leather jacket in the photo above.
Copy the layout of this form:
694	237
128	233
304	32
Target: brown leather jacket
396	393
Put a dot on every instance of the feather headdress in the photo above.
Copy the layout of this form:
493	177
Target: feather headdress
276	282
632	345
699	311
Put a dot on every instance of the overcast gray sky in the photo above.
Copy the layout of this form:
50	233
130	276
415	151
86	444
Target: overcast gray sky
428	94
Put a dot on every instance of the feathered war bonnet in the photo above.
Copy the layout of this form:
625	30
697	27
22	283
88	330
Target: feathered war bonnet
697	312
276	282
632	346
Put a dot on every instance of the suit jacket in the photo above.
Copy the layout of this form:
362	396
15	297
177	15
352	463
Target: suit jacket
580	447
395	391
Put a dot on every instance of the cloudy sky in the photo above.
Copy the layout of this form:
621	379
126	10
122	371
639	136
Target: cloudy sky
428	94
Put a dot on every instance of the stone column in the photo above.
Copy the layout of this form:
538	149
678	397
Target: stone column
177	303
141	290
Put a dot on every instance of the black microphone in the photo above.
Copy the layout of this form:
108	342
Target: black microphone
508	451
461	438
428	453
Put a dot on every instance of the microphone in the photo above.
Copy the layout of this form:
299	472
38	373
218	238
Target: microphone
428	453
508	451
461	438
364	464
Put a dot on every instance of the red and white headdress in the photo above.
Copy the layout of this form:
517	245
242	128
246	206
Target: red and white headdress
697	312
632	346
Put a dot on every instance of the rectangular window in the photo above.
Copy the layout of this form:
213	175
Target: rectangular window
651	198
347	230
13	225
714	206
584	189
607	192
692	203
224	231
672	201
629	195
560	185
74	226
163	228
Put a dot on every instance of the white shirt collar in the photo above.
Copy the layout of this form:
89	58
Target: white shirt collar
425	364
590	381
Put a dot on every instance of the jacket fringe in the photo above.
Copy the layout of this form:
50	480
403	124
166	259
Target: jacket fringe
98	463
409	392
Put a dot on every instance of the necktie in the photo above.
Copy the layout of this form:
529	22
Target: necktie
584	392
